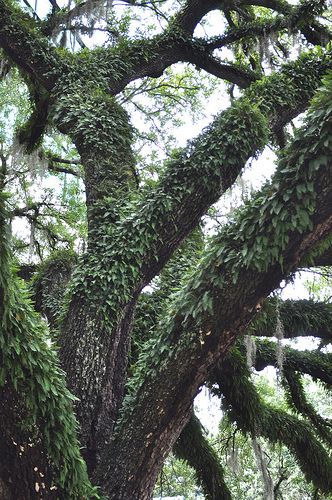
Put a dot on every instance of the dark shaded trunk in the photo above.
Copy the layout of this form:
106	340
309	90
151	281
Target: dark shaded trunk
25	472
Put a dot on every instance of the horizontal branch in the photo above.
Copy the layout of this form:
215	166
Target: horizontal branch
316	364
144	58
55	166
234	74
300	318
314	32
295	18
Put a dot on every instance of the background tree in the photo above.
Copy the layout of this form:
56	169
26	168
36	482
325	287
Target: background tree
143	224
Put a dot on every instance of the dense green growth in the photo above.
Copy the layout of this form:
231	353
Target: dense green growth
90	156
30	366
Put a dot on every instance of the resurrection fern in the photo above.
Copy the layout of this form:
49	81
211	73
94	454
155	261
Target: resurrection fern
298	317
252	416
195	449
29	363
316	364
49	283
256	240
297	400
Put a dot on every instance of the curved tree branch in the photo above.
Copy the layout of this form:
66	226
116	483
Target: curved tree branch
192	13
297	400
194	448
21	41
204	60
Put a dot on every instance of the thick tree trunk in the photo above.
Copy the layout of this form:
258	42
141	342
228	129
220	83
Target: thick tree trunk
95	360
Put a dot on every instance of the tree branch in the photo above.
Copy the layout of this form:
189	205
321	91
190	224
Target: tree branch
152	57
297	400
294	16
194	448
204	60
245	407
192	182
300	318
313	363
53	165
21	41
314	32
183	215
192	13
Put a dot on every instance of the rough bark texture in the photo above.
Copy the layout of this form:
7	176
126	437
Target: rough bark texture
24	469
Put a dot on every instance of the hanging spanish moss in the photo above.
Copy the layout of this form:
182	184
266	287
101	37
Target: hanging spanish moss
83	17
250	346
245	188
32	241
35	163
4	67
233	458
268	493
92	10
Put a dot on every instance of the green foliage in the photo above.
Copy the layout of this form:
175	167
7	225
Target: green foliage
297	399
256	240
176	479
49	284
125	236
299	318
30	365
14	105
319	285
245	407
314	363
307	70
193	446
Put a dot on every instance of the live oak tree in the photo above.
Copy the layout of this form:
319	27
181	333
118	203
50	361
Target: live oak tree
134	404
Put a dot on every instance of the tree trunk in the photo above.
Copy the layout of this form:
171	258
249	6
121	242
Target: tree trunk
103	354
